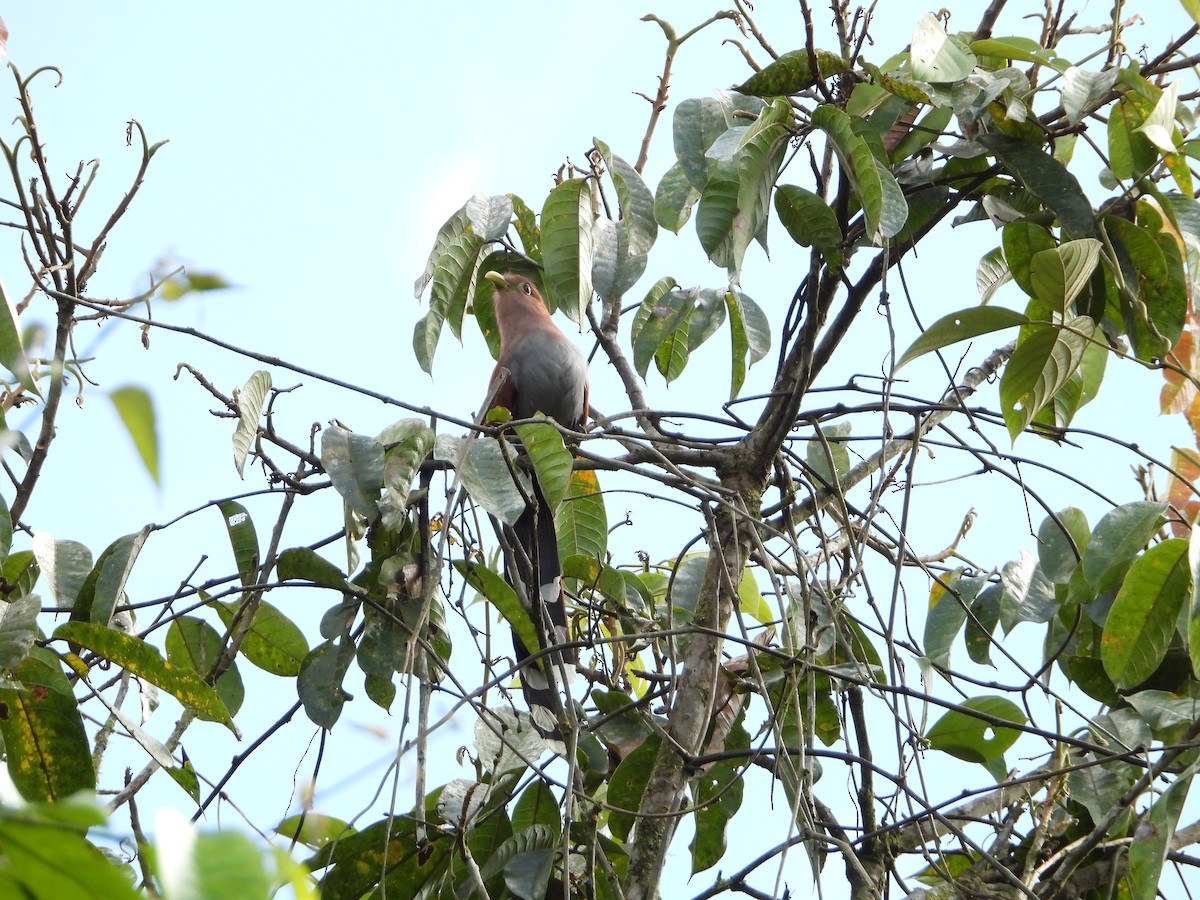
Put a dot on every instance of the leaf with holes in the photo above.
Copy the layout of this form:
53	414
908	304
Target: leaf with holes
960	326
977	738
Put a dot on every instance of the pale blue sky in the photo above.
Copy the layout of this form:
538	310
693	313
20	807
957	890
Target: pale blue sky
313	153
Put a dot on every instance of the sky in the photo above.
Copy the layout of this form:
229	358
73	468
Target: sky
312	155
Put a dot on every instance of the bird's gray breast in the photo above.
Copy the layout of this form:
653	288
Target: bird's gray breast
549	376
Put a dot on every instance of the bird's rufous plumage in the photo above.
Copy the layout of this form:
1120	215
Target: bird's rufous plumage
538	371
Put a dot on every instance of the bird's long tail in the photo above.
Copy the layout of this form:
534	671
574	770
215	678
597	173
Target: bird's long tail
536	549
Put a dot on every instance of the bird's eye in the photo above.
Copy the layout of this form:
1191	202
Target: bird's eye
527	288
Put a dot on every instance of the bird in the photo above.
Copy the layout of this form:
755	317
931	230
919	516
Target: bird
538	371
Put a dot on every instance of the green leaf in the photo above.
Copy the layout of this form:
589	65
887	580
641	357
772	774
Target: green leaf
718	798
973	739
1016	49
144	661
313	829
674	199
104	586
1141	622
18	628
594	575
250	400
1060	275
384	850
750	333
1155	296
628	783
567	247
193	642
1060	551
1028	596
759	156
192	282
981	624
1047	179
452	279
354	463
526	225
202	866
44	740
581	523
406	445
636	201
12	353
450	231
319	682
1130	153
695	316
136	410
947	612
305	564
65	564
20	570
243	539
485	474
659	316
6	529
1193	619
1167	714
47	858
274	642
991	274
960	326
424	341
938	57
881	199
1144	261
1159	127
829	459
794	72
1192	8
551	460
1022	240
1040	366
932	126
1099	787
810	221
502	596
1117	539
1153	839
715	217
537	806
527	874
697	123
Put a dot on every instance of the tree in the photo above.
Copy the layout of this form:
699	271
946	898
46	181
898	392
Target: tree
777	651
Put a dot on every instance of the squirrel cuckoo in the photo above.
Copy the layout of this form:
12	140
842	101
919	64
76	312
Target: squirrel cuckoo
539	370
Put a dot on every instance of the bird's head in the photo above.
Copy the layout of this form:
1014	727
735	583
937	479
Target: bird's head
516	295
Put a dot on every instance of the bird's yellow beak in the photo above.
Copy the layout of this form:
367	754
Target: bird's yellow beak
497	279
